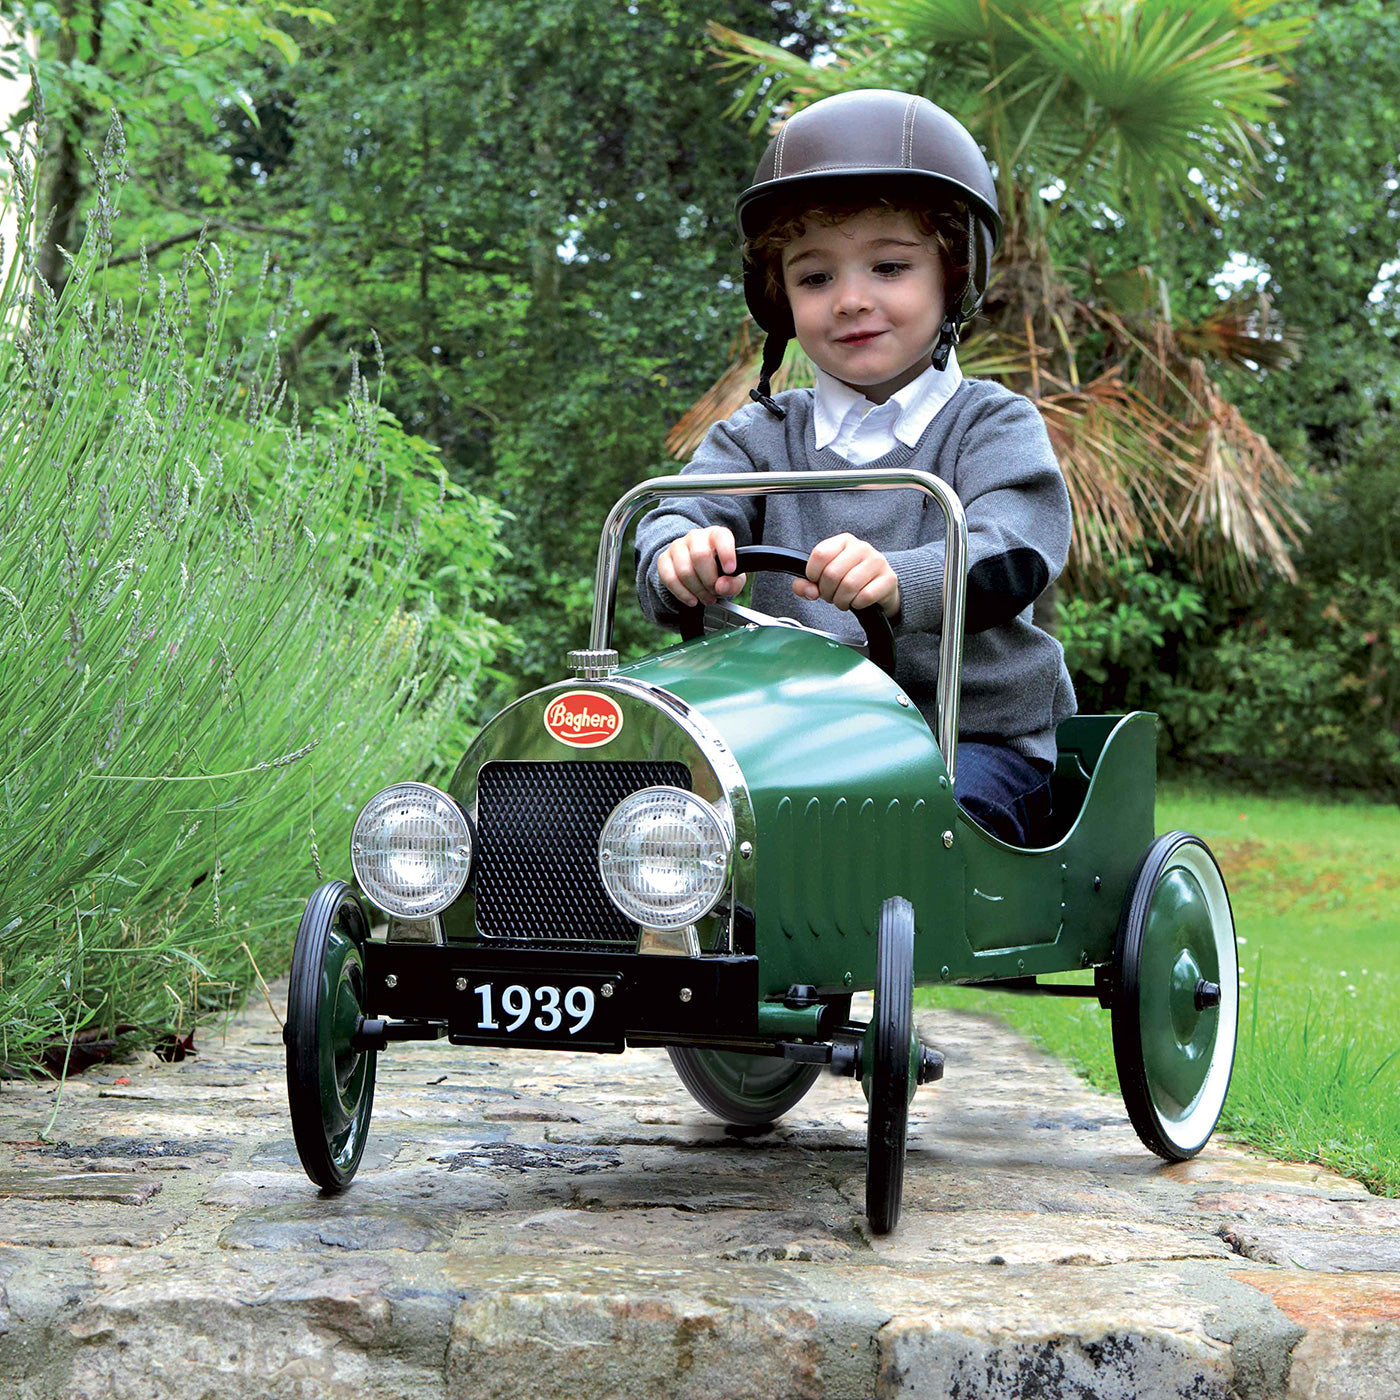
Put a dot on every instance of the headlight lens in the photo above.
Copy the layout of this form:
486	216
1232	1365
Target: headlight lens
411	850
664	857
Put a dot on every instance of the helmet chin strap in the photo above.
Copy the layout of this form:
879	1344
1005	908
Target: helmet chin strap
774	348
949	335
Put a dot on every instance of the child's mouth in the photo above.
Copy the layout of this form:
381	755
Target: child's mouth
861	338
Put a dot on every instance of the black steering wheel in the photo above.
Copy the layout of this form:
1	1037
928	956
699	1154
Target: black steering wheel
757	559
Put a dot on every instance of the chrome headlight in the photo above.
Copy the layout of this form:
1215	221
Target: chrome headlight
411	850
664	857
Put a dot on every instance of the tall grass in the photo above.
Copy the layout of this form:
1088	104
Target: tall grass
206	661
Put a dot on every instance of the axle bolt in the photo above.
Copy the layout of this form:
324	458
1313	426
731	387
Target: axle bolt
930	1065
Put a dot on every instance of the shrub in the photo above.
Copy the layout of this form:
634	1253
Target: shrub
1122	647
216	640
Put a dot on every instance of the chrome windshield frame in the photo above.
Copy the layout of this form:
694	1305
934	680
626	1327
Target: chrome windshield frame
777	483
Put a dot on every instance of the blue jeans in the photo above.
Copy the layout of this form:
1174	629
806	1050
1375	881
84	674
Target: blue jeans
1003	792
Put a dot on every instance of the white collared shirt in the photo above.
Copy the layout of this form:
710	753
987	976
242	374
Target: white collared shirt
860	431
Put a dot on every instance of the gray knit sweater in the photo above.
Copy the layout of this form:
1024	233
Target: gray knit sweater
990	445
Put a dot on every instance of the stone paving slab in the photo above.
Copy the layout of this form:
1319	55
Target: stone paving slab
561	1225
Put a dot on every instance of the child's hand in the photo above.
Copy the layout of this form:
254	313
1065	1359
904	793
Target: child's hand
850	573
696	568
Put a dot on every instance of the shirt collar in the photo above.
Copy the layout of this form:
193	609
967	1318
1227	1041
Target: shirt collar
915	406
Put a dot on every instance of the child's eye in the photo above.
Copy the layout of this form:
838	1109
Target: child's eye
813	279
891	269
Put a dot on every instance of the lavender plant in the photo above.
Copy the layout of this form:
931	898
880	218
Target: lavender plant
215	641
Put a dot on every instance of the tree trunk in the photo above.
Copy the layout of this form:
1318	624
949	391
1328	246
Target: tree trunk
63	184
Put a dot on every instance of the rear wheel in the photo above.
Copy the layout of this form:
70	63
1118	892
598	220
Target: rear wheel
888	1066
746	1090
330	1084
1176	997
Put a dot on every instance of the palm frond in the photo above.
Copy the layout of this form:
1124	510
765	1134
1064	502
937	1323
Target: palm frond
1243	333
785	81
1236	517
933	23
1175	87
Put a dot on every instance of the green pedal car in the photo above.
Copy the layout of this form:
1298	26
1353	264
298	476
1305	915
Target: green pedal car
712	848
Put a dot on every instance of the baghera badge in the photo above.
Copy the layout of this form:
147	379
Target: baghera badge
583	719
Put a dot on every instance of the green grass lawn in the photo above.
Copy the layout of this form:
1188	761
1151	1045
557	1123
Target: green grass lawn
1315	888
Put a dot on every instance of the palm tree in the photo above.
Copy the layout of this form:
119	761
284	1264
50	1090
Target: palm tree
1098	116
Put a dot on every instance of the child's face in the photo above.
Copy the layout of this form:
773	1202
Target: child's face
867	299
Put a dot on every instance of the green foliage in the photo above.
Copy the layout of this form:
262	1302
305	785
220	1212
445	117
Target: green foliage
455	551
1327	224
1299	682
167	66
1303	684
1120	646
210	649
532	206
146	60
1306	688
1119	102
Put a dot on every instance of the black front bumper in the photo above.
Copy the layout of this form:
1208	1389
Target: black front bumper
658	999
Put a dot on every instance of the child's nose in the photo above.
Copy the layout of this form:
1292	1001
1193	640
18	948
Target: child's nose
853	296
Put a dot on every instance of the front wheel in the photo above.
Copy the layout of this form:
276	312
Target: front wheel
889	1072
1176	997
745	1090
330	1084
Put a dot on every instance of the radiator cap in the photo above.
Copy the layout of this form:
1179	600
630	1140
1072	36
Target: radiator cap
593	665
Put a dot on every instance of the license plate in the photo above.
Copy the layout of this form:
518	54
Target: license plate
580	1010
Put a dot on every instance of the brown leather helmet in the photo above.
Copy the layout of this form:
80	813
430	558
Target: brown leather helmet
896	145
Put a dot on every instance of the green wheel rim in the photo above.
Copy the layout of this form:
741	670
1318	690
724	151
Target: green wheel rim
346	1078
747	1090
1173	1040
330	1084
1178	952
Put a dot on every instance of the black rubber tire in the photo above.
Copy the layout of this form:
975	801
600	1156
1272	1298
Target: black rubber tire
330	1088
704	1072
888	1074
1174	1136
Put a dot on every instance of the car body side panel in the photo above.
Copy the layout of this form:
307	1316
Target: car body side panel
849	795
1055	909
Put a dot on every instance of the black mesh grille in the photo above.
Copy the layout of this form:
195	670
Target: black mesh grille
537	866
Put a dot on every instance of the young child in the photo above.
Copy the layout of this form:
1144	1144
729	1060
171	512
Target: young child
868	233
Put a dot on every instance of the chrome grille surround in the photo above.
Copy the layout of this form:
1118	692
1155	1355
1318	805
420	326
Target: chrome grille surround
659	728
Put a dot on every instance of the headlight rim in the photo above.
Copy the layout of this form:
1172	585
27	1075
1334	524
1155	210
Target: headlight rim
369	888
724	826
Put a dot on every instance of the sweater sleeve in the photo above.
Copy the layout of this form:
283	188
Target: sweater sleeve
1018	523
723	450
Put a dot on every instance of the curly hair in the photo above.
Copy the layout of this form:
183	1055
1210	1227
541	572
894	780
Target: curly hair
946	226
